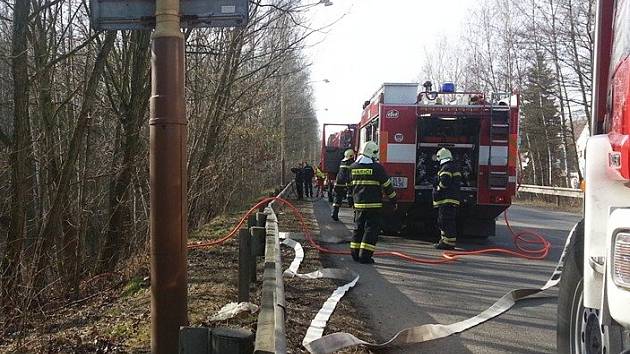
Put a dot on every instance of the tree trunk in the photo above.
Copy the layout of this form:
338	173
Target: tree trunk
578	65
573	138
556	61
68	167
134	109
213	125
20	169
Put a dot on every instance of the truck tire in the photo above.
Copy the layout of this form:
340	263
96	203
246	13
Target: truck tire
578	328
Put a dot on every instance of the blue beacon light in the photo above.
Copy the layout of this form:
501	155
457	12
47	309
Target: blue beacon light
448	87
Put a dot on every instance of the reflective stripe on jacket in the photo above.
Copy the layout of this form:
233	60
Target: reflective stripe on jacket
319	174
449	181
369	182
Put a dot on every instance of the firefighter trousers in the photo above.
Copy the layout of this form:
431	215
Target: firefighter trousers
367	224
447	222
299	189
340	193
308	187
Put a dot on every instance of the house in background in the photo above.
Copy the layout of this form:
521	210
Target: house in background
580	129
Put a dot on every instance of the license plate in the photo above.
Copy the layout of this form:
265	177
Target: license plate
399	182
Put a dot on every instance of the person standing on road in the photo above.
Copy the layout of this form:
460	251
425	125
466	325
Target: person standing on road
446	198
299	181
309	173
368	181
320	177
341	183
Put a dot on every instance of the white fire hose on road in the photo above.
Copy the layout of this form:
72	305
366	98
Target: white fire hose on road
315	343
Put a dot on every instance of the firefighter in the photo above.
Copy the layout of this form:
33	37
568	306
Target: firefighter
299	181
341	183
368	181
446	198
320	177
309	173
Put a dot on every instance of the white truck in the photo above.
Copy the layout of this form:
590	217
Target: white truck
594	299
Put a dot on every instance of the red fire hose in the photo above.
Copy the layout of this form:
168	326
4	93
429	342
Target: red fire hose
204	244
528	244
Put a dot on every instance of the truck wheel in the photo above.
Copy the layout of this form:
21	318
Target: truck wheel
578	327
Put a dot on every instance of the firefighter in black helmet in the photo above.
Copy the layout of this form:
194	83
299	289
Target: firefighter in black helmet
309	173
368	182
446	198
299	181
341	183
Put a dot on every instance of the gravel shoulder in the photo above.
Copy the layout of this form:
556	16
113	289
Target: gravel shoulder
305	297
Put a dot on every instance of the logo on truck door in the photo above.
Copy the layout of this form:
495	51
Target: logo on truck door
398	137
392	113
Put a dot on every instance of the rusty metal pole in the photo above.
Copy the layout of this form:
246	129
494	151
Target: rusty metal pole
168	220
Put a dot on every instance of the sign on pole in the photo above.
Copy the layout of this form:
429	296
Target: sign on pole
140	14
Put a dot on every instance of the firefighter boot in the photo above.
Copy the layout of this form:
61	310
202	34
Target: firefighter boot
446	243
443	246
355	254
335	213
365	257
366	260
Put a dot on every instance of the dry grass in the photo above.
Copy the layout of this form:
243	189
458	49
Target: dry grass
115	316
566	204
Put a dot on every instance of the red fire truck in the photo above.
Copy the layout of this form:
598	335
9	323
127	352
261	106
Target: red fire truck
334	144
594	296
481	132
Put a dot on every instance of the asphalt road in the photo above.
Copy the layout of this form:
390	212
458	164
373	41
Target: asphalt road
394	294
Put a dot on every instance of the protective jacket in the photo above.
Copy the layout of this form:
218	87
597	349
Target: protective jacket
369	182
448	184
319	174
343	177
299	174
309	173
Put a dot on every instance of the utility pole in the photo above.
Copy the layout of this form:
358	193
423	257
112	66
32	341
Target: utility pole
283	118
167	167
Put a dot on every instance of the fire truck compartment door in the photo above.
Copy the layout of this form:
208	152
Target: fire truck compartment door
401	153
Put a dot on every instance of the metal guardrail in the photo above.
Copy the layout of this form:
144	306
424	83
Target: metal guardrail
547	190
270	332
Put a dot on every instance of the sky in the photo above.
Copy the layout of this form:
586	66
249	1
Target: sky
375	41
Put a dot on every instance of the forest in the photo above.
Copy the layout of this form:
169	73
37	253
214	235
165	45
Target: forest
74	137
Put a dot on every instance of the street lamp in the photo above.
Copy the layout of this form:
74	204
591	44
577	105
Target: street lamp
326	81
326	2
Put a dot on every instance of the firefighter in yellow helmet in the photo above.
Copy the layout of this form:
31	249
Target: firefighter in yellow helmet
446	198
369	182
341	183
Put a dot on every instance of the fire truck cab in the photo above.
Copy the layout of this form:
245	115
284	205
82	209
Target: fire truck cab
594	297
481	132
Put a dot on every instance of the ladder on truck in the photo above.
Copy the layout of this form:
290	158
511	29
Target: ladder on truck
499	138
